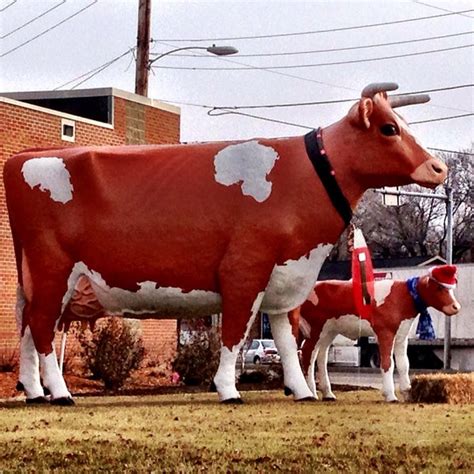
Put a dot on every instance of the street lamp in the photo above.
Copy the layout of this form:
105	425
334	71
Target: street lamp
216	50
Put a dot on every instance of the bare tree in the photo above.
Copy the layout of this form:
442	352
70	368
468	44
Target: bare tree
418	226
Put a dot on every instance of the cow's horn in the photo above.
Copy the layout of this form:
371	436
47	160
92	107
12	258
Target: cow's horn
372	89
401	100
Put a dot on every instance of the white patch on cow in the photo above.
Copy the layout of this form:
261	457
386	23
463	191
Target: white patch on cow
350	326
291	283
305	328
149	298
313	297
400	347
51	175
382	289
247	163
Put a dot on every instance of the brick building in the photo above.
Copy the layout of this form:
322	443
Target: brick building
104	116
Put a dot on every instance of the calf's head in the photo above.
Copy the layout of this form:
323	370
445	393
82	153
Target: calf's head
383	149
437	289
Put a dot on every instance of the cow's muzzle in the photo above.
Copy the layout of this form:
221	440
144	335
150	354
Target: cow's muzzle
452	309
430	174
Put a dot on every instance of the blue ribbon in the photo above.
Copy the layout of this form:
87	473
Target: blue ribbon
425	329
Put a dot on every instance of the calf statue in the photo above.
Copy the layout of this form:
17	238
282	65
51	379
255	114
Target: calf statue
330	311
197	229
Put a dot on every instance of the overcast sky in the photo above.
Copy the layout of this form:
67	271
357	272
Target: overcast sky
108	29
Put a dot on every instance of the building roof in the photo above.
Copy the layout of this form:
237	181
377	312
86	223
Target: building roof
94	104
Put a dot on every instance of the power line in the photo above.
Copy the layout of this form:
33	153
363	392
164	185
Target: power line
338	101
48	29
329	50
278	73
93	72
439	8
8	6
450	151
328	30
332	63
442	118
235	112
33	19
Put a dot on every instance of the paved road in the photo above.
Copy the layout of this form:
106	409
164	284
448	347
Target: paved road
358	378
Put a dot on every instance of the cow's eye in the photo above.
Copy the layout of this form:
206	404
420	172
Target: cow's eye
389	130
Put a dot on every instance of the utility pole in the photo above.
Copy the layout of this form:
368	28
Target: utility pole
143	47
448	199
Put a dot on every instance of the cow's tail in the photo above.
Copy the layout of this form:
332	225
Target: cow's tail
20	292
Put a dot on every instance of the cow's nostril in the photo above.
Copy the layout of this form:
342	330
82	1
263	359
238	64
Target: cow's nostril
436	168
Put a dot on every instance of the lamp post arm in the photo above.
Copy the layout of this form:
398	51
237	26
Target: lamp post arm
174	51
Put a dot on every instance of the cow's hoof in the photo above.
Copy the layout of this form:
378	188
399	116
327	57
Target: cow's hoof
233	401
212	387
329	399
393	401
20	387
288	391
37	401
306	399
63	401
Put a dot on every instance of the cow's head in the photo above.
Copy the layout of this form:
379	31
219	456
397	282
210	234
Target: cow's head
437	289
384	151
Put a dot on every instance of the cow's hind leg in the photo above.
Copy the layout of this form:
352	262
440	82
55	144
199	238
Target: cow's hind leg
42	314
288	349
29	373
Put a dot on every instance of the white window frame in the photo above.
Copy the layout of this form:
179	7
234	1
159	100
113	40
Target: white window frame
68	123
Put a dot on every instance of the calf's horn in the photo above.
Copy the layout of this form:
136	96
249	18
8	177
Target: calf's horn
401	100
372	89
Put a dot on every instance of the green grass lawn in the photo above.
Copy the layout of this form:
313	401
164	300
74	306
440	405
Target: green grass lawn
193	432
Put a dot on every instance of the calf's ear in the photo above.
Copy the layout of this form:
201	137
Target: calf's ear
360	113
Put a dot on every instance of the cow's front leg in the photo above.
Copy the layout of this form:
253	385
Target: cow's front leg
385	341
236	323
287	347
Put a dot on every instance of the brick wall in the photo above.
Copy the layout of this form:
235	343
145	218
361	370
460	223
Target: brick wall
22	127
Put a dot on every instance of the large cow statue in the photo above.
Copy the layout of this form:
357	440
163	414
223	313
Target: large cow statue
197	229
330	311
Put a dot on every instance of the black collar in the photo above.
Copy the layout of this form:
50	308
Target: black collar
317	154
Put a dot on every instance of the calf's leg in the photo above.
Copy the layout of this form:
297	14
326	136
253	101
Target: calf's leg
322	358
385	341
310	353
400	349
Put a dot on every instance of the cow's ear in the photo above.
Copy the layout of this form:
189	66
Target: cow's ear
360	113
